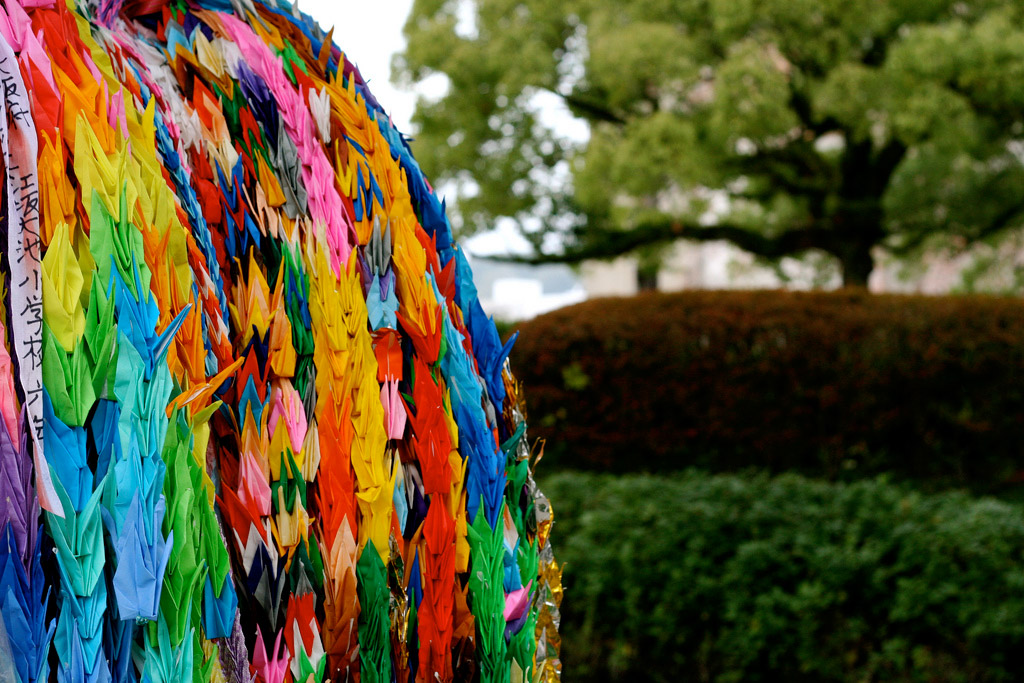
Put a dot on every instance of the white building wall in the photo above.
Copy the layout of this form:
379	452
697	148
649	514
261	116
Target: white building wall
609	278
720	265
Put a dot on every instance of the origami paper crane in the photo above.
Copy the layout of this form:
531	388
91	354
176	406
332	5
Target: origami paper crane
23	603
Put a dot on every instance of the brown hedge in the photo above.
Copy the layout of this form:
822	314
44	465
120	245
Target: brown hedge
841	384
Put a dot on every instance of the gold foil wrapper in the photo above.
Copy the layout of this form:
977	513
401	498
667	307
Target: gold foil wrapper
398	608
514	408
545	517
550	671
548	666
551	576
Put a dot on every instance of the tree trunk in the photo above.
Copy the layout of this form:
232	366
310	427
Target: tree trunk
646	279
858	227
859	219
857	263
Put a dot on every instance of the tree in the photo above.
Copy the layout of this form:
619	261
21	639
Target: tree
831	125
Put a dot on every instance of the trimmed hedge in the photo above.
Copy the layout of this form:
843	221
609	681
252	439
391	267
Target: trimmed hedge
725	578
840	385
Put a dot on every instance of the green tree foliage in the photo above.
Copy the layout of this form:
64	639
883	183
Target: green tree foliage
834	125
748	578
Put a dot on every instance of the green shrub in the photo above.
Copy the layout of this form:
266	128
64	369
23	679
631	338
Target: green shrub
840	385
695	577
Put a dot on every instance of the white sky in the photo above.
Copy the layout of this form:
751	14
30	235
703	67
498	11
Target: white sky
370	32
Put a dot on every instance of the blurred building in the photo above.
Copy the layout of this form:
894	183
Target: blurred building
708	265
513	292
720	265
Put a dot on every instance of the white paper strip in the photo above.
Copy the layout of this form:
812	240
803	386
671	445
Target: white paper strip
25	253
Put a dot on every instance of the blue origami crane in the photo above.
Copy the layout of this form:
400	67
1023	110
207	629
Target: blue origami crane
219	611
142	555
485	474
79	636
160	661
382	302
489	352
23	605
137	320
66	454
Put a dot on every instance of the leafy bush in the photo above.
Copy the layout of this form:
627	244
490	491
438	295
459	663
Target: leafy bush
695	577
840	385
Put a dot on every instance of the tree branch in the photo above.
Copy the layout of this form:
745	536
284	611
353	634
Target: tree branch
589	109
1003	219
886	162
604	243
801	106
791	169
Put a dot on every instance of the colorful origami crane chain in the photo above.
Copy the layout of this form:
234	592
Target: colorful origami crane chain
255	421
